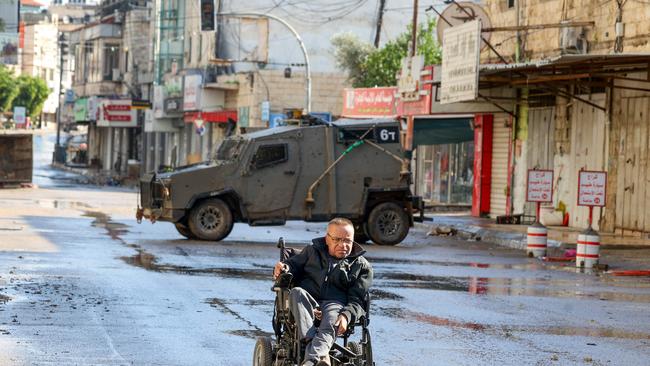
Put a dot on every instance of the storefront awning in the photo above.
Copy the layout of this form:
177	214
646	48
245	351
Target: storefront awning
438	131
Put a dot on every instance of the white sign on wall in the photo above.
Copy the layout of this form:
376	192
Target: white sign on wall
592	188
192	92
540	186
460	60
20	115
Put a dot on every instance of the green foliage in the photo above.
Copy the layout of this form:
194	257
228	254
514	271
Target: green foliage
8	89
350	53
32	93
379	67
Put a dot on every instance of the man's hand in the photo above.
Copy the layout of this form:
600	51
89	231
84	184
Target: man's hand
318	314
341	324
279	268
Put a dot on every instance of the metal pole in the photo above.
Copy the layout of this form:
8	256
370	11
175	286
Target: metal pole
57	148
300	42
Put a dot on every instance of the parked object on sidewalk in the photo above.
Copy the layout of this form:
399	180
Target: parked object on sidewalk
631	273
350	168
442	230
558	259
550	217
16	158
570	253
76	148
588	249
536	240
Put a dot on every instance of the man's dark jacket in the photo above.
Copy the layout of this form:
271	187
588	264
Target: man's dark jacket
347	283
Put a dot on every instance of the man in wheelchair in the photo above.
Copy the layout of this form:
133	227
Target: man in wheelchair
329	296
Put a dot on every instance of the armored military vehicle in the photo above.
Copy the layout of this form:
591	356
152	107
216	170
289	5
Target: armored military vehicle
350	168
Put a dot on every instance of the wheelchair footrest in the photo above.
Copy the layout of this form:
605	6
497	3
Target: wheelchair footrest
344	350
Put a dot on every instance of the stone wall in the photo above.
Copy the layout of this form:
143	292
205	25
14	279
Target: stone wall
543	43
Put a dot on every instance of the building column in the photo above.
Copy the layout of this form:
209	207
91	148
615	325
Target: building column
483	124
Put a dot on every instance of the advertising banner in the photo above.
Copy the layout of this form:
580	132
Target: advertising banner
116	113
369	102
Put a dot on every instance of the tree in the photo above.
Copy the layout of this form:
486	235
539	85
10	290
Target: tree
351	53
8	89
32	93
380	66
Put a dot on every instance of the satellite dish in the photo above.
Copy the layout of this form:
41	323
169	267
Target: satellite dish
456	16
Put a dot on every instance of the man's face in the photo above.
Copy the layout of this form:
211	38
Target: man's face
339	240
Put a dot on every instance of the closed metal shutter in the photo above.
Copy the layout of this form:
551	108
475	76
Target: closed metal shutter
500	152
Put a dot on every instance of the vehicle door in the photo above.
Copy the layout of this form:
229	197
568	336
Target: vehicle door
270	179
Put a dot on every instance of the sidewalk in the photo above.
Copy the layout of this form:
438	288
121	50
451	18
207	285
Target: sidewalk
514	236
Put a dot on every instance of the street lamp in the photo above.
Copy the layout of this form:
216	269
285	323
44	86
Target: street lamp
300	42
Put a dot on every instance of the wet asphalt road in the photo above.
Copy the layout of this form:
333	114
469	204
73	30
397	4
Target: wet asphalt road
81	283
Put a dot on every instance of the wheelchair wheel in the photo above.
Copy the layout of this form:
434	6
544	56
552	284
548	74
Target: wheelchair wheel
263	355
356	348
367	349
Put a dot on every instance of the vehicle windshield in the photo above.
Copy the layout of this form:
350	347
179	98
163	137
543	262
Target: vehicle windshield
229	149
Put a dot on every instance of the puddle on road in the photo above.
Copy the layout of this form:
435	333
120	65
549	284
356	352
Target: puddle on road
524	266
537	287
553	330
150	262
114	230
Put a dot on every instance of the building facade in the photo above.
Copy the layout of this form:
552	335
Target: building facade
113	68
241	72
570	81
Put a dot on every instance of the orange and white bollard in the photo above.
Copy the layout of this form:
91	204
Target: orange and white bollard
588	248
537	239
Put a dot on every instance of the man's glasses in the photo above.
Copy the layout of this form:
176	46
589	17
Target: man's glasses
340	240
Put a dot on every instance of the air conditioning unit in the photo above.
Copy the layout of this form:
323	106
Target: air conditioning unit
117	75
573	40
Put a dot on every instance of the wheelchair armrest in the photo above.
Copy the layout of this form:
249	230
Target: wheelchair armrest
283	281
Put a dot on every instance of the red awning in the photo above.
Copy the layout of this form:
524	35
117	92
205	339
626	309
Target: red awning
215	117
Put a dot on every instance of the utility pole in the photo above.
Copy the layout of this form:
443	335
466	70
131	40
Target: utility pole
380	20
58	149
414	36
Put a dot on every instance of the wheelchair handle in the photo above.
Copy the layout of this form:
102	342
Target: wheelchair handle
281	243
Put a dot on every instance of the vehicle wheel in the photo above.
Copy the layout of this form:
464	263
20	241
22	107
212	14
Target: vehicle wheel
185	231
211	220
356	348
367	349
388	224
360	235
263	355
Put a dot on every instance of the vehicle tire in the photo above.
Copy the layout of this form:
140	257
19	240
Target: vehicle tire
263	355
211	220
388	224
185	231
356	348
360	235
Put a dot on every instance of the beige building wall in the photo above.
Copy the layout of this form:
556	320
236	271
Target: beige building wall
284	93
40	59
546	42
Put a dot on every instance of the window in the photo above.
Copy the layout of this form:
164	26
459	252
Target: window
111	60
269	155
511	3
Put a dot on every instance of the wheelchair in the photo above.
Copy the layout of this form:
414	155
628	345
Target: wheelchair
287	350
